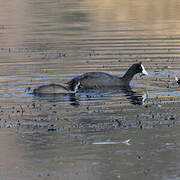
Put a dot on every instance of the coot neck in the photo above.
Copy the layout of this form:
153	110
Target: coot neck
129	75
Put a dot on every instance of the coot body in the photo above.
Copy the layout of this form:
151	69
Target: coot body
55	89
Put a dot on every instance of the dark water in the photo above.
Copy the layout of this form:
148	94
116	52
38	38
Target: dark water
94	135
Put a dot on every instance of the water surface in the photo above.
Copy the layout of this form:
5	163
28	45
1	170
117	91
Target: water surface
95	135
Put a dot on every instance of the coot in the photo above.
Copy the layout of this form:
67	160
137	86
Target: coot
56	89
99	80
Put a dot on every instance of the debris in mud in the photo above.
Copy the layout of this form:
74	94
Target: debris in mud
9	126
127	142
171	117
52	127
28	89
108	142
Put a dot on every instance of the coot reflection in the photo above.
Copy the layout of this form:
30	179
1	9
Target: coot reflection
135	98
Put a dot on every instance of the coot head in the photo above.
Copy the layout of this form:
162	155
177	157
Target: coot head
134	69
139	68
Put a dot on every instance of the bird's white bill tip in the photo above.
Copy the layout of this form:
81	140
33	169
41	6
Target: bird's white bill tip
144	72
176	79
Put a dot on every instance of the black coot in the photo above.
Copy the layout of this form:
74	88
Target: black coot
99	80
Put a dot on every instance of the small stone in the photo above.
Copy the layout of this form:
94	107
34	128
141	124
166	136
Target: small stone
9	126
172	117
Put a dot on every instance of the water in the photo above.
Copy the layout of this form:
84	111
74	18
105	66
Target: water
95	135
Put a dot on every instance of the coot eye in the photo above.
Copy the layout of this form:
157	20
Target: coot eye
140	67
